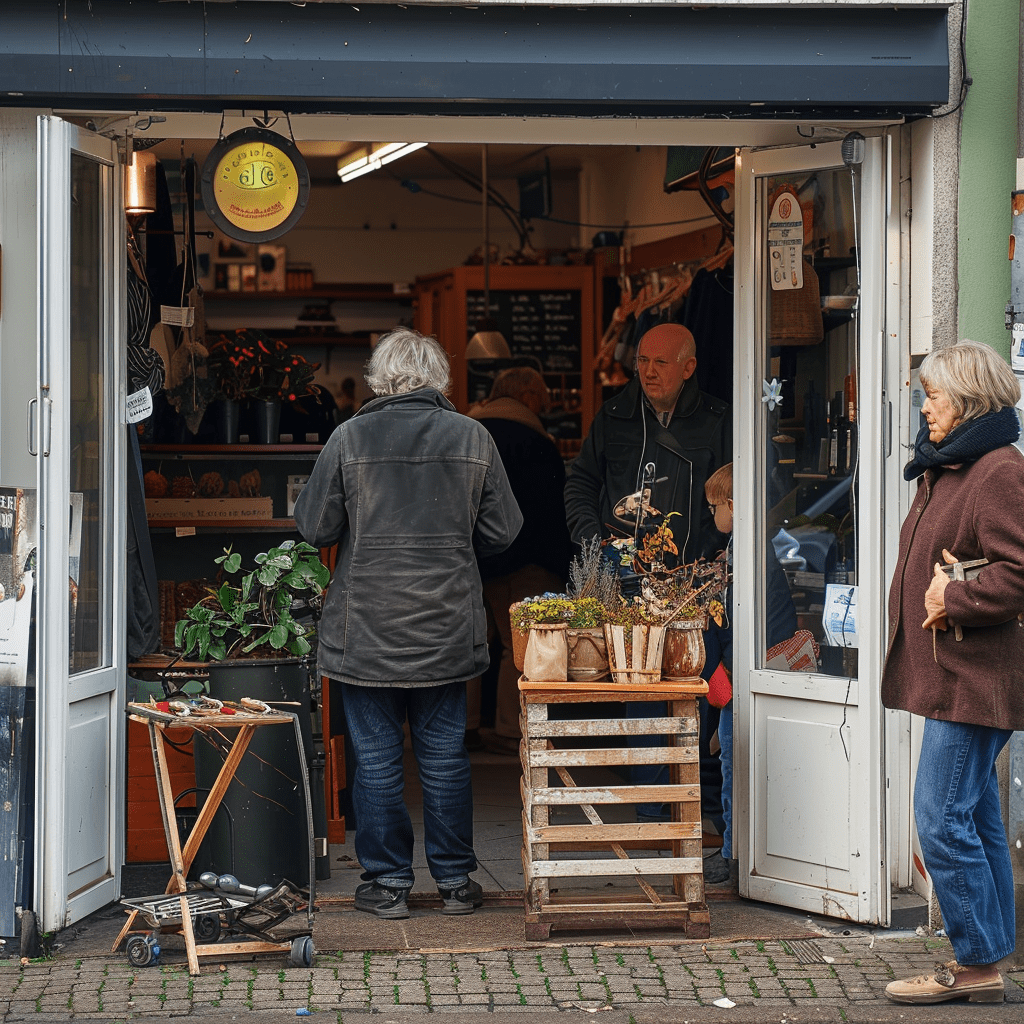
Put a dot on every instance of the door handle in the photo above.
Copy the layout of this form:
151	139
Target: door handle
44	428
32	403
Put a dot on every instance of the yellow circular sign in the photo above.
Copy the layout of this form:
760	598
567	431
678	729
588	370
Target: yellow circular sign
255	184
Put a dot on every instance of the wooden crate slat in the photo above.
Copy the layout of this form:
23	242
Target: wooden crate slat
573	795
620	833
564	758
632	866
614	727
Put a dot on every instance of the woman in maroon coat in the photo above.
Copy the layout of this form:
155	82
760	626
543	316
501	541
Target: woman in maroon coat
956	656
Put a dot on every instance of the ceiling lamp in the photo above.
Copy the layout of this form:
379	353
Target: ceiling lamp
374	157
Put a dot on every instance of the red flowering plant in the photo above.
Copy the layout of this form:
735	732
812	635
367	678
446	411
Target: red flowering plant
251	364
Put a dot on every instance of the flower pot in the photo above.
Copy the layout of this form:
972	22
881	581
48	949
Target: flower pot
684	650
546	658
268	421
635	657
228	415
587	655
520	638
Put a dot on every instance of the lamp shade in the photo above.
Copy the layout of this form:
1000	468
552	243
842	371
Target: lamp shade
140	183
488	345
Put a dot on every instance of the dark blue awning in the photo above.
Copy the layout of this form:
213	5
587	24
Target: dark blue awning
382	58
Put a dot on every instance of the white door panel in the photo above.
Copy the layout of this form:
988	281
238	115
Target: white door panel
80	424
808	758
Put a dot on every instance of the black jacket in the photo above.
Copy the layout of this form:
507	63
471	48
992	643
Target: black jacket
625	436
412	492
536	474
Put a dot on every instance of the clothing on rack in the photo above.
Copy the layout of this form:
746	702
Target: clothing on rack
708	314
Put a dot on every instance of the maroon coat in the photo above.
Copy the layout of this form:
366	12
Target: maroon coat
974	511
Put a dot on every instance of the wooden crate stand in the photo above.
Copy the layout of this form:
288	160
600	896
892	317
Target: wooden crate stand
548	849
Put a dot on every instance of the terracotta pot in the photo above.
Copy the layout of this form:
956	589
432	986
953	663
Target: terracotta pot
684	650
587	653
520	638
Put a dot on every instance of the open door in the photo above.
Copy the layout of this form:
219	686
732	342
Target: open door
809	796
79	435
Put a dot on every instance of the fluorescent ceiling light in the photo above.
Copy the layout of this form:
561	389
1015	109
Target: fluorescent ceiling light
375	157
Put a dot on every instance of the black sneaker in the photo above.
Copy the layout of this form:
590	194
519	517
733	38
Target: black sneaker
383	901
716	869
463	900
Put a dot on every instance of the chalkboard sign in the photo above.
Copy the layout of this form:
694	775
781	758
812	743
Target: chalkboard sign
540	323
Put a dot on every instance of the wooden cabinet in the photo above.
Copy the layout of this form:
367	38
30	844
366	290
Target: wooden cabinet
547	315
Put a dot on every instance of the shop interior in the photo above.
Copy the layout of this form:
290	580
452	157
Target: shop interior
567	251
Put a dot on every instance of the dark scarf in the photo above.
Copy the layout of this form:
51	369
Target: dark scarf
964	443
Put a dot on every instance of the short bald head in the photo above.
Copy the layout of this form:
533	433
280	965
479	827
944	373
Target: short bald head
666	359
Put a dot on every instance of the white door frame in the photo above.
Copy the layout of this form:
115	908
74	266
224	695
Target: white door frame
851	708
80	718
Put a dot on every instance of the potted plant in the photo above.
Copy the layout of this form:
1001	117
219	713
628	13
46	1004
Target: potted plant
234	363
246	629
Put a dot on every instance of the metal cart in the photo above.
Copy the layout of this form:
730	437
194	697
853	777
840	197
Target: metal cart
216	905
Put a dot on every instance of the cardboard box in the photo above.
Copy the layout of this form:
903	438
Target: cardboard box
210	509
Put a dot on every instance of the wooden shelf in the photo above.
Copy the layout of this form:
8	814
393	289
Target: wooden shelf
345	292
220	525
325	340
228	451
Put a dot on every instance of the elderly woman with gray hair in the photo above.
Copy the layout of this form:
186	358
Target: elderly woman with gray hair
412	493
956	655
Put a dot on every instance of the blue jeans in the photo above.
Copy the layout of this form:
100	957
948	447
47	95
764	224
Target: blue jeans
956	805
725	741
437	723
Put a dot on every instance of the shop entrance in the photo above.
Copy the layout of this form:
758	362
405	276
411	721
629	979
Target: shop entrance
364	242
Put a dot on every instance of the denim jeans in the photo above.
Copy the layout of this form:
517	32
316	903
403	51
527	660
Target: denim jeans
956	806
437	724
725	741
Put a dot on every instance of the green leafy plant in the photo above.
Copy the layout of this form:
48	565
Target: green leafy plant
252	608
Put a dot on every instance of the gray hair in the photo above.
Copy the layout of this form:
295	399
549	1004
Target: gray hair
974	377
517	381
405	360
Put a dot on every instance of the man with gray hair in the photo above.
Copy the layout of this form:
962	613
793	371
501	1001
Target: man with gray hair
413	493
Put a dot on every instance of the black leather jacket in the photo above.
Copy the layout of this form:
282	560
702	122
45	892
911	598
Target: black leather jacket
625	436
413	492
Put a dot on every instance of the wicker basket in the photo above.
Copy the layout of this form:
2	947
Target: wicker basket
795	315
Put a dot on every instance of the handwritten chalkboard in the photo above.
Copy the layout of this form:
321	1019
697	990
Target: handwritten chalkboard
540	323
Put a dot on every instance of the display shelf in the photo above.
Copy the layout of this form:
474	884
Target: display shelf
370	292
219	452
220	525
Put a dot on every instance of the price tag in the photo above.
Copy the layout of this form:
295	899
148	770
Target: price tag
139	406
184	531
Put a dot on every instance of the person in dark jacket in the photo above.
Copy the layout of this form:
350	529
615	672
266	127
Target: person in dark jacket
648	453
660	434
413	493
538	559
956	656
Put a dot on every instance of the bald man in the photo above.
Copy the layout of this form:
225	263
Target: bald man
657	441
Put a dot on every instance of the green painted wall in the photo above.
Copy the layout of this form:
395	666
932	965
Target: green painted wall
988	156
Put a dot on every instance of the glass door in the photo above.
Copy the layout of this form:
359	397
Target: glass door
80	452
809	584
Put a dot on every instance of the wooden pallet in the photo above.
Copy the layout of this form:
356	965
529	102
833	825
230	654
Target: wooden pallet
552	851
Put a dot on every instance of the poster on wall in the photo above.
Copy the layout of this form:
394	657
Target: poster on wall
17	570
786	241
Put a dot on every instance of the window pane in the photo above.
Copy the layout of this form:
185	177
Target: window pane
810	499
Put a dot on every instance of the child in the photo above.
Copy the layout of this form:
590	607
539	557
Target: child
780	624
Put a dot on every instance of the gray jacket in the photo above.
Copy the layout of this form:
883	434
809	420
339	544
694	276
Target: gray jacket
412	492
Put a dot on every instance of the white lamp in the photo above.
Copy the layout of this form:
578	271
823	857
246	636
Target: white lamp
374	157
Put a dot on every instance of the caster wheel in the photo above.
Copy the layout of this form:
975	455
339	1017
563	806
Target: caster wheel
206	928
302	951
141	952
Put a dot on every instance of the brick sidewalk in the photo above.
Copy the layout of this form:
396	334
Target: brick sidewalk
776	977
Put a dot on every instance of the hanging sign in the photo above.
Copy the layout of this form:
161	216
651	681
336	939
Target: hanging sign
255	185
786	241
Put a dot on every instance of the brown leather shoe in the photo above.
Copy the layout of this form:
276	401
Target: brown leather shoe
950	981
